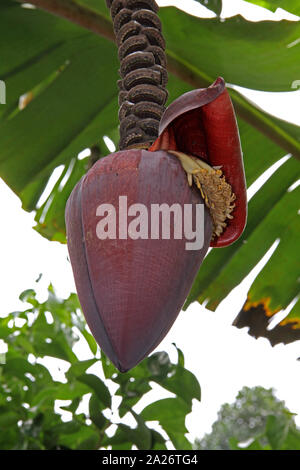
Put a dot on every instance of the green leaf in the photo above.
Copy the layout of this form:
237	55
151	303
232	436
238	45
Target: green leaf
47	395
95	407
180	360
27	122
58	62
86	438
70	390
234	443
289	5
18	366
90	341
131	393
70	427
276	431
158	364
28	295
73	406
266	223
59	391
78	110
58	347
9	438
158	441
281	132
140	436
286	225
108	367
120	440
272	292
235	46
183	383
78	368
8	418
254	445
82	115
294	315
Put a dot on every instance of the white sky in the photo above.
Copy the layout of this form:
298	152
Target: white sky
222	357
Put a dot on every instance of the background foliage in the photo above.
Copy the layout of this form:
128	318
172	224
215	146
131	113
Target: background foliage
30	407
257	420
68	76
